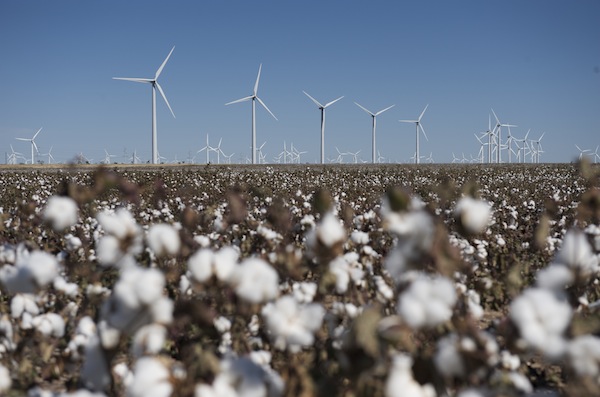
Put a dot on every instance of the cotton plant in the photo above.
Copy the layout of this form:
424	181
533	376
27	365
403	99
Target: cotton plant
122	239
205	263
61	212
255	281
163	240
400	380
31	272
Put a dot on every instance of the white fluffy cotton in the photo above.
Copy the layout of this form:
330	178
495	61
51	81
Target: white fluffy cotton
150	379
427	302
256	281
473	214
61	212
292	325
542	319
205	263
400	381
163	239
31	272
583	353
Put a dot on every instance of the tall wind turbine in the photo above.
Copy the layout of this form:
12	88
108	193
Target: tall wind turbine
418	126
499	144
33	145
155	85
374	116
254	97
322	107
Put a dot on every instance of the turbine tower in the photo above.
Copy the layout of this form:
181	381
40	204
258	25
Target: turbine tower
254	97
374	116
322	107
418	126
155	85
33	145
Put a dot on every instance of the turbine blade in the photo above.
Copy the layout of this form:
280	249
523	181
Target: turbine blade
244	99
159	71
313	99
578	148
332	102
423	112
23	139
365	109
497	120
257	79
407	121
384	110
135	79
165	98
36	134
422	130
265	106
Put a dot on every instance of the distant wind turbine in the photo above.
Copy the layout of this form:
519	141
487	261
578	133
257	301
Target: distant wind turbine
418	126
322	108
254	97
33	145
374	116
582	152
155	85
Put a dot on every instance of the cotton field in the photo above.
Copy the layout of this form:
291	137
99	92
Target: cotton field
468	281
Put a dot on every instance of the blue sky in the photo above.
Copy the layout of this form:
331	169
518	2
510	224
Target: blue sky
536	63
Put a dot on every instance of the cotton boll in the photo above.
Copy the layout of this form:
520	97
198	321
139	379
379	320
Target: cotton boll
163	239
150	379
330	231
205	263
50	324
554	277
108	251
119	224
447	359
359	237
149	340
31	272
23	303
200	265
5	379
474	215
292	325
427	302
224	263
256	281
541	319
95	374
149	285
583	353
576	253
304	292
400	381
61	212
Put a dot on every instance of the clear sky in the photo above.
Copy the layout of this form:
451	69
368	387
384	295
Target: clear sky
536	63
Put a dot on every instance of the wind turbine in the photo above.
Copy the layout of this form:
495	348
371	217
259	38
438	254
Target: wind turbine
254	97
155	85
322	108
374	116
596	155
107	157
499	145
33	145
418	125
538	149
49	154
207	148
582	151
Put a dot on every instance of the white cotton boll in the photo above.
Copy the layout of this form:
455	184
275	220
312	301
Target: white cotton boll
291	324
474	304
224	262
61	212
50	324
416	228
108	250
30	273
203	241
359	237
73	243
554	277
330	231
400	381
473	214
149	340
427	302
583	353
149	285
163	239
42	266
577	254
304	292
222	324
23	303
256	281
162	310
5	379
471	393
70	289
448	359
340	269
119	224
541	319
383	288
150	379
200	265
510	361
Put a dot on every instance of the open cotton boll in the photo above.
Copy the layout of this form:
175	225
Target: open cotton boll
554	277
149	340
400	381
150	379
119	223
291	324
206	263
49	324
5	379
23	303
427	302
163	239
542	319
61	212
448	359
576	253
474	215
359	237
256	281
95	374
31	272
583	353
